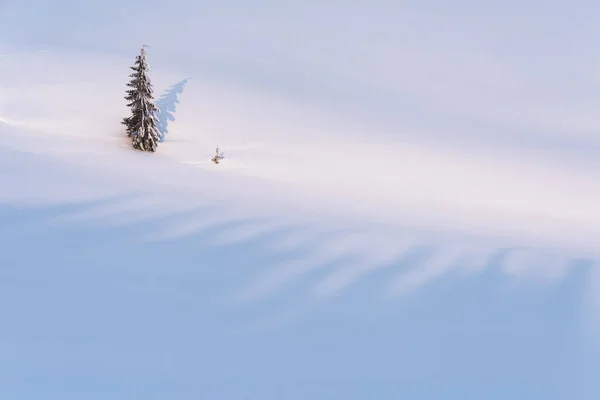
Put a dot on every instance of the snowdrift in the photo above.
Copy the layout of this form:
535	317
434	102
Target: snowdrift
374	196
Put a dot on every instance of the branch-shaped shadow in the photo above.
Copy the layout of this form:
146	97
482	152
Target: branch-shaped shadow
167	105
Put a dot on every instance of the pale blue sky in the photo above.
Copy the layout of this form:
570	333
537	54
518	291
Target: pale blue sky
88	311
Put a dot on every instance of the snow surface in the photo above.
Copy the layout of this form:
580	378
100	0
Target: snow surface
295	166
133	274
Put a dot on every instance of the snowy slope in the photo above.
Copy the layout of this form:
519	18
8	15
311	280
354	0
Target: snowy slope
407	208
293	165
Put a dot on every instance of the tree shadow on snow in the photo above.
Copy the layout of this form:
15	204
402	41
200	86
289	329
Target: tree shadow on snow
167	105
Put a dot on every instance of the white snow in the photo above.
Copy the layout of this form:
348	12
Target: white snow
292	164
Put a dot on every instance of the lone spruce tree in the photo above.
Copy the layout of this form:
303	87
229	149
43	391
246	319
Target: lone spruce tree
141	126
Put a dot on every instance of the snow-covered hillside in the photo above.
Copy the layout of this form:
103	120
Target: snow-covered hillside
295	166
407	207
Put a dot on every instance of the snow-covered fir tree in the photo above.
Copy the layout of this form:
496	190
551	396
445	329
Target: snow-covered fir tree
141	126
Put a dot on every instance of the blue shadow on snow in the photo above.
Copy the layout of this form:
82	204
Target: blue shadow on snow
167	105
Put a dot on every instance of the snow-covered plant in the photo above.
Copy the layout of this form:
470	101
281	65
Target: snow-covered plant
141	126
